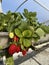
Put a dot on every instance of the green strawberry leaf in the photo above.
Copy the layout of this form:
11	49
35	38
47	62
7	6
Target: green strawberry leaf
35	35
21	40
22	47
33	14
10	61
26	43
23	26
31	28
18	32
25	13
45	28
1	47
27	33
40	32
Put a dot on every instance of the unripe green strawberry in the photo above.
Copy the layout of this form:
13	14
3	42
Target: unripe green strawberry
16	38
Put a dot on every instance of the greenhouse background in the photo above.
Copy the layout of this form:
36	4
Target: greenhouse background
42	14
34	58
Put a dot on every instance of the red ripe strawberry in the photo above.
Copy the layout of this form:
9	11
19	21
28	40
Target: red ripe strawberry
12	49
18	49
16	38
24	52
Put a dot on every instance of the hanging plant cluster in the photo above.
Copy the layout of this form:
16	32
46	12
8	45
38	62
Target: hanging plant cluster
21	31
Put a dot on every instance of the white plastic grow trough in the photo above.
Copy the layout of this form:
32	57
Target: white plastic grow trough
16	55
37	47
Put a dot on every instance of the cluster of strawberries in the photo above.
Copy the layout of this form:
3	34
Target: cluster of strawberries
15	48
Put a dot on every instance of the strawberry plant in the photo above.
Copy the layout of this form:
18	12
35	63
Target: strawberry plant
22	29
